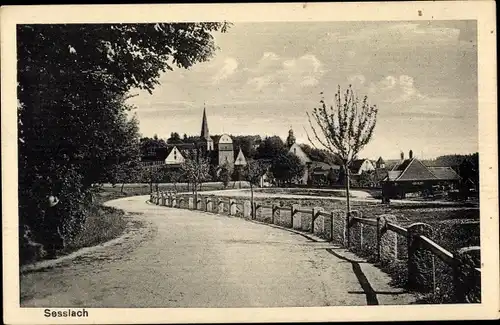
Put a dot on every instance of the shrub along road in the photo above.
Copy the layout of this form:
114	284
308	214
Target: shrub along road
186	258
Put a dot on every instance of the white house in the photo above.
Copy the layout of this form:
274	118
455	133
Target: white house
304	159
359	166
174	157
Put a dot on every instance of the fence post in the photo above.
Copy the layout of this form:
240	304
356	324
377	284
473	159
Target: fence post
257	210
420	261
305	221
467	281
232	207
274	209
354	231
314	215
332	225
347	229
387	241
220	206
209	204
294	216
246	209
191	203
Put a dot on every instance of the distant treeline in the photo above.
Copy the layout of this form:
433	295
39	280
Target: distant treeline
252	146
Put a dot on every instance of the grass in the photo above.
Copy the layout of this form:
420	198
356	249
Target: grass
101	225
144	189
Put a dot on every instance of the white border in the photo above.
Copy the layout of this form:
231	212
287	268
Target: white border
482	11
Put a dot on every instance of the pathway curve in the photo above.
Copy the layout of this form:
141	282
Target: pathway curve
193	259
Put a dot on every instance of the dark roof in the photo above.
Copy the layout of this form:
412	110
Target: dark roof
444	173
414	170
402	166
356	164
319	165
380	160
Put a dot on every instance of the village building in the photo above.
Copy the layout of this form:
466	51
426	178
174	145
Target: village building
174	158
173	155
358	166
411	176
380	163
295	148
240	159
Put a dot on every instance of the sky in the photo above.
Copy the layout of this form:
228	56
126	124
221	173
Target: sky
421	75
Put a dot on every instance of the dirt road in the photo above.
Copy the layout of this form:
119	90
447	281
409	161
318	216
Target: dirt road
182	258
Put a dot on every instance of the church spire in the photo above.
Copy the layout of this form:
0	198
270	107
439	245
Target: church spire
204	126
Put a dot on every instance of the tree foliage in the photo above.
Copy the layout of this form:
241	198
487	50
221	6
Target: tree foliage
344	128
196	171
287	168
252	172
270	148
74	128
224	174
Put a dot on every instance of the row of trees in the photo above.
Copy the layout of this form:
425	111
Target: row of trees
252	146
74	125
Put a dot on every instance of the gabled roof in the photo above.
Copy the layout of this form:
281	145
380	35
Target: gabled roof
414	170
380	160
240	159
356	165
297	150
444	173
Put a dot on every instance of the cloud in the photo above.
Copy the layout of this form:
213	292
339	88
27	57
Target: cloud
230	66
273	73
357	80
396	89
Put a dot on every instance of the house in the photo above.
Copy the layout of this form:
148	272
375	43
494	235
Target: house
358	166
295	148
411	175
380	163
174	158
320	173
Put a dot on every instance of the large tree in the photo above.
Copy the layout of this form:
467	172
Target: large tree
344	128
270	148
287	168
73	82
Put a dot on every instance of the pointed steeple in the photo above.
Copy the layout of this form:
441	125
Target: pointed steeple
204	126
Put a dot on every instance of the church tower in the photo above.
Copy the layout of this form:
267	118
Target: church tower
290	140
205	137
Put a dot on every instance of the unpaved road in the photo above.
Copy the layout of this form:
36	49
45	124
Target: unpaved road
182	258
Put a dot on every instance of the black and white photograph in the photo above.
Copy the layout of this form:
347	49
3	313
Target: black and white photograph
185	162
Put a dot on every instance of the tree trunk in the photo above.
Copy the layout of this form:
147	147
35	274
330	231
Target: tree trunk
348	208
151	180
347	188
121	190
251	199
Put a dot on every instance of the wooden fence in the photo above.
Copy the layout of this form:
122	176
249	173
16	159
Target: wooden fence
381	237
